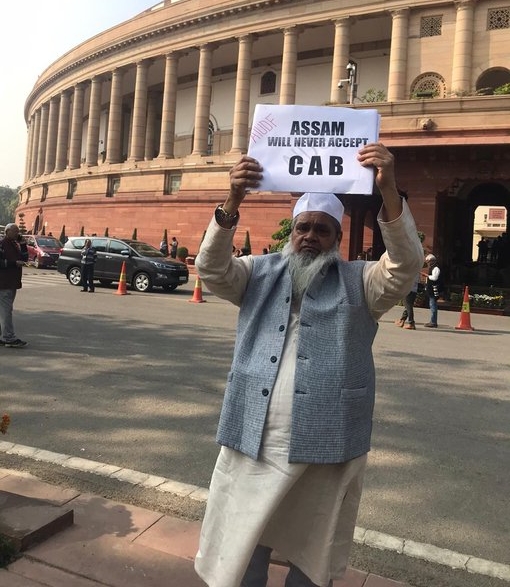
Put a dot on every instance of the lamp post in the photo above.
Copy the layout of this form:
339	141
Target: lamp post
352	71
351	80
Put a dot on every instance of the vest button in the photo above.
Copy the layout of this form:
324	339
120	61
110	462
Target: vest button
287	300
265	392
273	359
282	328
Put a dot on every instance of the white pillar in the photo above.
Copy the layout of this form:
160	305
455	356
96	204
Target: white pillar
397	78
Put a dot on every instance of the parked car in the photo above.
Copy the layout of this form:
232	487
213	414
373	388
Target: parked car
43	251
146	267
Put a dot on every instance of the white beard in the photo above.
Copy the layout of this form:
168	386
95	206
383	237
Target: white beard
304	267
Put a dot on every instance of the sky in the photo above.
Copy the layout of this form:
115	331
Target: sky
35	33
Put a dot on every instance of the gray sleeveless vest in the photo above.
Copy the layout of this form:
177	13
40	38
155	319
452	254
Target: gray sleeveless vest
334	381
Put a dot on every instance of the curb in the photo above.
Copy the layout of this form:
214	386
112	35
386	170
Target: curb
370	538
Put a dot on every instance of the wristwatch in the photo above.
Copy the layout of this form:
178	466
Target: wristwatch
224	219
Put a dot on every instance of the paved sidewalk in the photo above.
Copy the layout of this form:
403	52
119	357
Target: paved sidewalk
117	545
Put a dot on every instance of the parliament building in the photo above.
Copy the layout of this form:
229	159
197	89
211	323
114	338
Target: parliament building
137	127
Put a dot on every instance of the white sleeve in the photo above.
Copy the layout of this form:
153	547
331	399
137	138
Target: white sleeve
223	274
391	278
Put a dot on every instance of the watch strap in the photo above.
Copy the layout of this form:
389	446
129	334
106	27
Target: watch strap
224	218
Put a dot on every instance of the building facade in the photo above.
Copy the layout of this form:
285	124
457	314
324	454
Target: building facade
137	127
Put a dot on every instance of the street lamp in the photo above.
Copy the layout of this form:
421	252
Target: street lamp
351	80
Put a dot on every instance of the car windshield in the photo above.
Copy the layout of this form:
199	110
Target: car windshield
49	242
145	250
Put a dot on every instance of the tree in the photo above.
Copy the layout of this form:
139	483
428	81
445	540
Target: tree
62	237
247	244
21	223
134	237
504	89
8	202
373	95
106	231
82	231
282	235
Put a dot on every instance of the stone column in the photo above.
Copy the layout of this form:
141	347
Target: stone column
35	143
63	131
76	127
397	78
289	66
139	121
113	137
150	131
28	154
167	137
51	141
43	138
92	148
242	96
341	54
203	106
462	48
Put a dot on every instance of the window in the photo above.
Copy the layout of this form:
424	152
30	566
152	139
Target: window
172	183
430	26
429	85
99	244
498	18
72	185
210	138
268	83
29	193
117	247
113	185
44	193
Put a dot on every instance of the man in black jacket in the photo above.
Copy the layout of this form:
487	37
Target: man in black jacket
13	255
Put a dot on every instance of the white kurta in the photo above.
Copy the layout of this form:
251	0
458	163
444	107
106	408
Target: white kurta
306	512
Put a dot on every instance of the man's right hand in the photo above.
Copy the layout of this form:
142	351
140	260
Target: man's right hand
246	174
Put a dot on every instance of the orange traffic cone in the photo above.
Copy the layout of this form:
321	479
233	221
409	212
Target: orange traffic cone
465	319
121	290
197	292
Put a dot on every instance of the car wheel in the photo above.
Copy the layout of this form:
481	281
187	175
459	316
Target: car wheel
169	287
74	276
142	282
36	262
105	282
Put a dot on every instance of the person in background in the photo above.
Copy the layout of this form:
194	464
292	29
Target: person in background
433	287
483	249
163	247
173	248
407	319
13	255
296	420
88	260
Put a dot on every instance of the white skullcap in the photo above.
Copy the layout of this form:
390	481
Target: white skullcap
430	258
319	202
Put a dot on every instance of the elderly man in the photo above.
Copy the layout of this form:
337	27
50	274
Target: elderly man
296	420
13	254
434	287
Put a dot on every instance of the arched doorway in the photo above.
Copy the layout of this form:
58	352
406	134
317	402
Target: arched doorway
455	220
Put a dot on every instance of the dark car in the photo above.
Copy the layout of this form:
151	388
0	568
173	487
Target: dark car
43	251
146	267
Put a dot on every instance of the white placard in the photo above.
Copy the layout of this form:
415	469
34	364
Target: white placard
313	148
